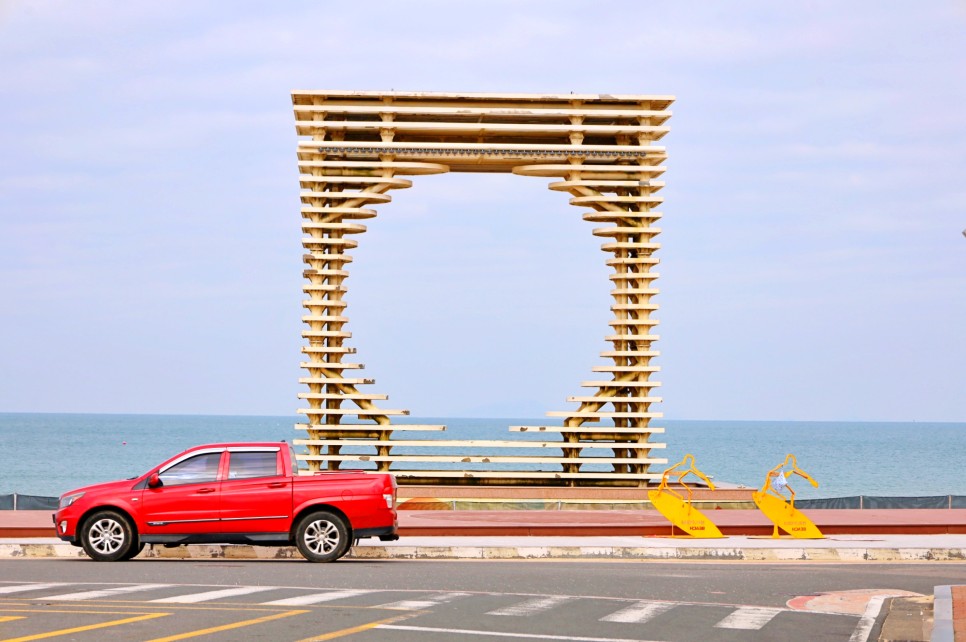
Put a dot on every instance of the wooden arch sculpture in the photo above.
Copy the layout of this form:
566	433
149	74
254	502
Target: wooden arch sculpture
355	147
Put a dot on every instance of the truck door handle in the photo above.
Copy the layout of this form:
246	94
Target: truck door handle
277	485
203	491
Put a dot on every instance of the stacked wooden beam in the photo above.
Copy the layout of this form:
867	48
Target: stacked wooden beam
357	146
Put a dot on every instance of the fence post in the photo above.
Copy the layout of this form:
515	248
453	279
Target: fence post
15	501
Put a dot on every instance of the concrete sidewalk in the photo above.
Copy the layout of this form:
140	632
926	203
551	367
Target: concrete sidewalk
838	548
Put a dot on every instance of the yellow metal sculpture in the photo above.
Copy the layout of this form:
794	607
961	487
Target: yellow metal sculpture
783	514
675	508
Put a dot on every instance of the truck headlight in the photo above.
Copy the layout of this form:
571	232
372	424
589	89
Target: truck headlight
67	500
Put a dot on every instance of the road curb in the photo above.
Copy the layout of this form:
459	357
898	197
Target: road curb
376	552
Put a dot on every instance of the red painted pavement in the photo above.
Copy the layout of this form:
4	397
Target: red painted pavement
604	522
959	612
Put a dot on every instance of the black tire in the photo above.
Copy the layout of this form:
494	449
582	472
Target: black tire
107	536
322	537
134	552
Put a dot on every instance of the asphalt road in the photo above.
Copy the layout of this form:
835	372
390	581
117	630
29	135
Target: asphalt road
401	601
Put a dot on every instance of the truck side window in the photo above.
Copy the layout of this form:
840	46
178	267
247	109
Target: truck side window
199	469
245	465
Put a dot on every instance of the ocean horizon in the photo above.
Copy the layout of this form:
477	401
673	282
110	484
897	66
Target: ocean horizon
48	454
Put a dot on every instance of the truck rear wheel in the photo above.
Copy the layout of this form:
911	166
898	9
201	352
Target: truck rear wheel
322	537
107	536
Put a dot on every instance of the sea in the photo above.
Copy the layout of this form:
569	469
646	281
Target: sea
49	454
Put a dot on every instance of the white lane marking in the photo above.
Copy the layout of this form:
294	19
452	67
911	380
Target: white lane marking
864	628
315	598
749	618
93	595
194	598
426	603
639	613
530	607
531	636
20	588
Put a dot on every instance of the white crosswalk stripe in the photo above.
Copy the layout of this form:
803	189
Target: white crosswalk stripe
207	596
748	618
20	588
532	607
640	612
425	603
110	592
315	598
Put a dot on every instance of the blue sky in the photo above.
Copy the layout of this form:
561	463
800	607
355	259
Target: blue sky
813	261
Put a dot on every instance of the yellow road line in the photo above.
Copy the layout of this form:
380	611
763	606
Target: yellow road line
11	618
357	629
40	610
225	627
89	627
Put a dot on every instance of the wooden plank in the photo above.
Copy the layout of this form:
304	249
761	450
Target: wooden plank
337	381
351	411
600	414
614	399
408	168
343	395
371	427
461	111
461	98
626	151
619	384
631	337
582	170
489	459
309	127
525	474
594	429
566	186
453	443
634	368
333	365
339	179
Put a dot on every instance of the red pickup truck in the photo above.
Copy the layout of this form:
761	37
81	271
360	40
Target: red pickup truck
239	493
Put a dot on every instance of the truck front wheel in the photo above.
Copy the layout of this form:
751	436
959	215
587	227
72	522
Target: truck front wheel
108	536
322	537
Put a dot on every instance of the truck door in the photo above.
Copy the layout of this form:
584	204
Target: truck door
256	495
187	499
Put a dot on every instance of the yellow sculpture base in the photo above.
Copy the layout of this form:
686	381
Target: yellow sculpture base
683	515
786	517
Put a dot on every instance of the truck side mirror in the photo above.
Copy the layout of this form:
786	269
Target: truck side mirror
154	481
